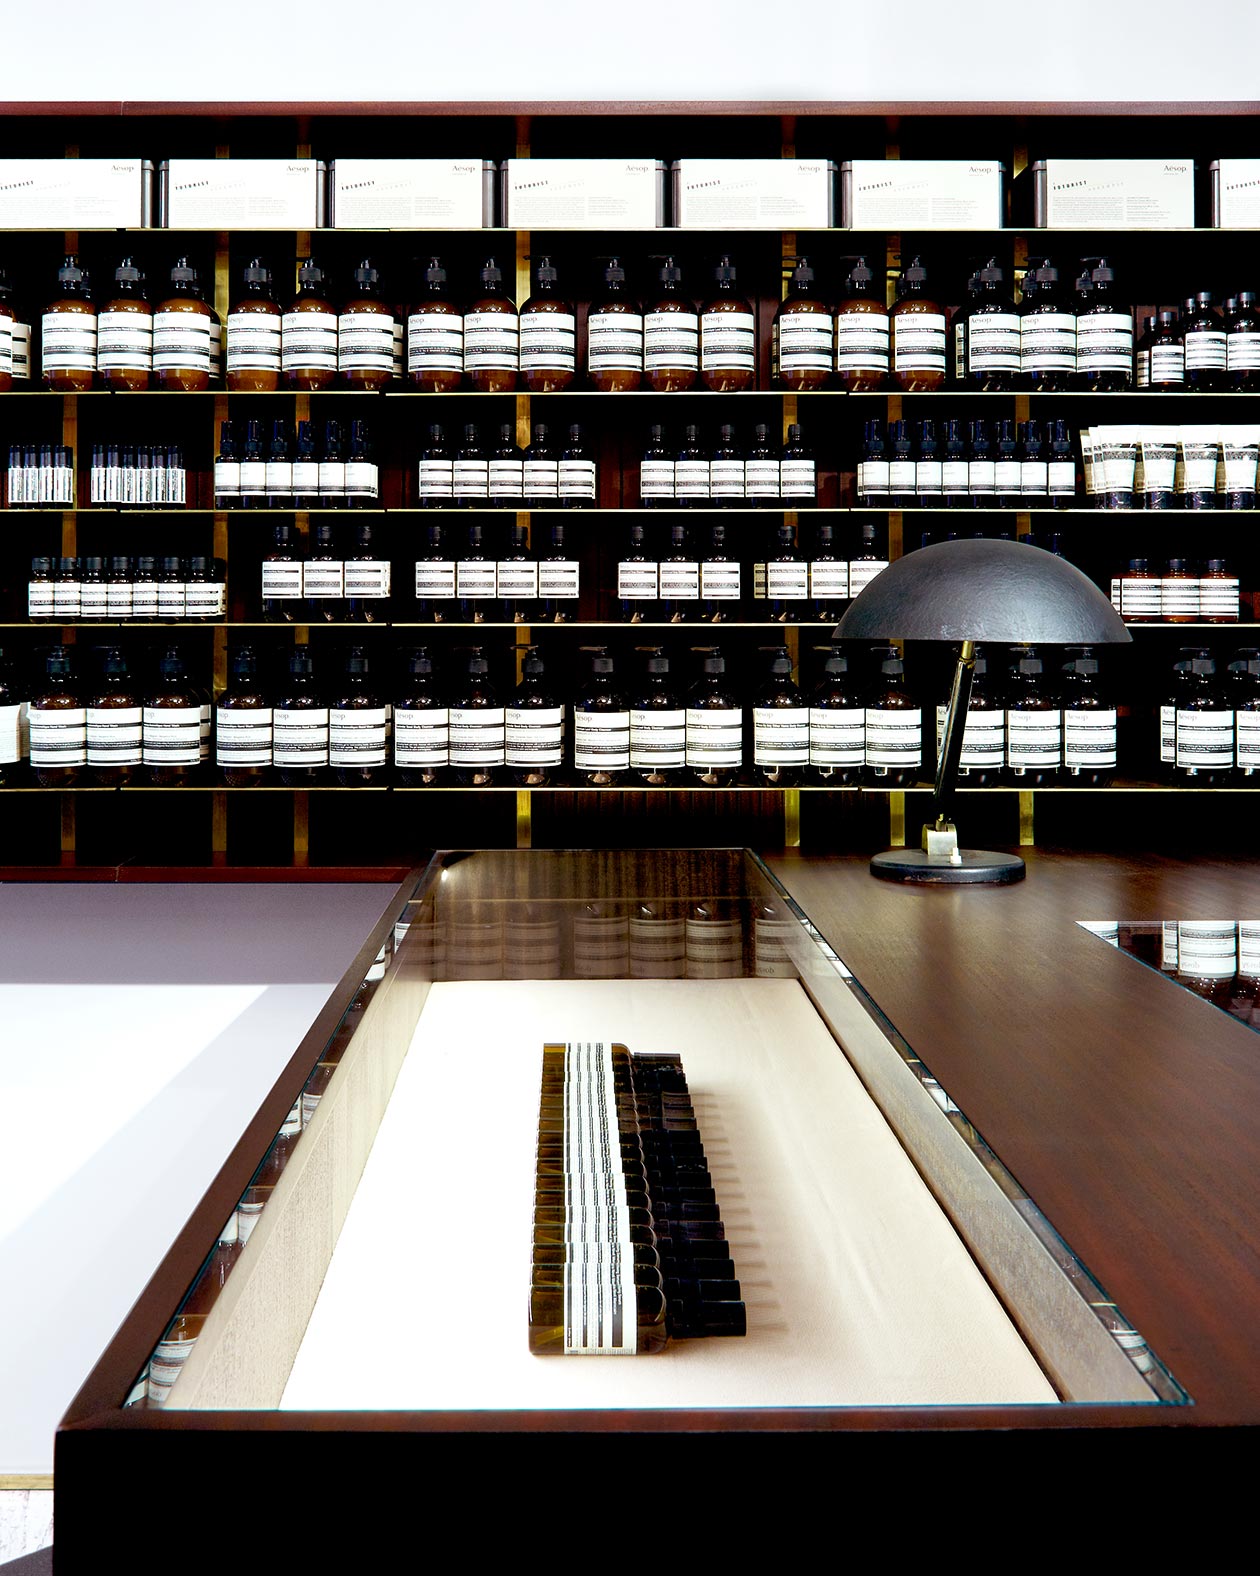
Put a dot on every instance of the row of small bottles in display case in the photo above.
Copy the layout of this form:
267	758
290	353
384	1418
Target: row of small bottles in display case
41	475
728	475
144	588
1180	595
472	474
298	470
967	464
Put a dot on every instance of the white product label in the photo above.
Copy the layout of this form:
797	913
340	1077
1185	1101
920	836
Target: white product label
201	598
993	343
1089	739
837	736
39	599
1167	734
181	340
798	478
1061	475
362	479
601	741
658	738
308	342
548	341
300	736
1179	596
726	478
534	735
1142	366
435	342
305	478
471	478
656	479
1247	739
671	341
680	579
1034	740
368	578
357	735
576	479
477	736
1207	948
243	735
728	342
332	478
6	344
1168	364
67	598
1104	342
436	479
422	736
1205	740
1140	598
1218	596
1205	349
1034	478
614	342
715	737
93	599
365	342
68	341
491	342
1242	351
12	729
542	478
558	579
954	474
516	578
691	479
780	735
984	739
900	476
172	598
787	581
57	737
894	739
253	478
981	476
929	477
861	342
862	571
1047	342
720	580
804	341
253	341
124	340
1006	476
475	578
323	577
637	582
435	579
172	735
761	478
919	342
281	579
829	580
505	478
278	478
144	599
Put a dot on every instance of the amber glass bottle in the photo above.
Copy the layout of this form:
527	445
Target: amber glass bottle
309	334
728	336
182	327
253	334
491	336
861	332
8	319
671	336
68	335
365	333
614	336
124	332
801	348
435	336
548	335
918	333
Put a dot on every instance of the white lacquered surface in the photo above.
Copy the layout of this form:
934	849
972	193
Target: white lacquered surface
859	1293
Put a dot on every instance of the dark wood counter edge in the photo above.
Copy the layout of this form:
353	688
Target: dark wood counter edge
1128	1108
112	1376
490	108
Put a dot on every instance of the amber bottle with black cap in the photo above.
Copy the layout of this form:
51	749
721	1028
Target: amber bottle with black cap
801	347
308	354
124	332
671	335
614	335
253	334
548	334
435	335
917	322
182	327
491	336
728	335
862	330
365	332
68	332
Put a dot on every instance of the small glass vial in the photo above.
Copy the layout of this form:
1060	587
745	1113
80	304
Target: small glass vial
254	328
124	332
182	324
67	591
1218	593
491	336
918	333
548	331
671	335
435	336
308	334
365	333
802	336
93	596
39	591
1203	339
728	335
614	336
68	332
1141	594
1242	344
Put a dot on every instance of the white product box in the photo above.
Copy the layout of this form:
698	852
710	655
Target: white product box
1235	193
411	194
922	194
1109	194
254	194
595	194
75	194
754	194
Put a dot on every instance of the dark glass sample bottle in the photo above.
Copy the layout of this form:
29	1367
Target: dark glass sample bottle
721	580
691	472
1061	465
614	335
534	727
981	473
93	598
780	726
548	331
1047	331
491	336
638	581
243	725
1203	340
516	579
279	471
253	469
362	474
1244	696
505	471
182	331
282	577
254	333
658	726
872	471
365	332
862	332
559	584
1204	725
679	579
8	323
918	333
1089	722
1104	333
798	472
715	727
671	335
358	726
575	472
324	577
366	579
990	328
435	580
955	465
728	335
984	732
784	592
124	332
308	333
726	471
801	343
837	726
68	332
1242	344
1168	355
171	724
57	718
422	726
435	335
115	719
476	581
601	726
477	727
1034	723
828	577
299	740
901	493
435	486
656	472
305	468
1142	354
894	726
332	468
929	476
541	470
470	472
1007	473
761	471
1034	474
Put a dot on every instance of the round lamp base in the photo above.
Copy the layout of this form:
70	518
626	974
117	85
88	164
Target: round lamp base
977	869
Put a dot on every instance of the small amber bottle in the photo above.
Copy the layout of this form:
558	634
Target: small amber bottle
728	336
124	332
435	336
365	333
491	336
68	332
253	334
58	726
308	334
182	327
801	347
548	335
918	333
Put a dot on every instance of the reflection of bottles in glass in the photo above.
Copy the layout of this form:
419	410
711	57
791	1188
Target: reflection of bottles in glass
715	727
614	335
68	332
253	334
780	724
984	732
124	332
548	335
1207	958
435	336
837	726
243	725
658	949
861	332
422	726
601	726
491	336
601	948
658	726
308	333
1089	722
180	1336
728	335
894	726
715	941
1034	723
671	335
171	725
918	333
800	349
534	727
1204	724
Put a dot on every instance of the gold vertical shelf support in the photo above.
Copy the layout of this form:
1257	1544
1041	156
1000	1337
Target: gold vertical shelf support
69	822
791	818
1026	839
524	818
897	820
218	828
301	828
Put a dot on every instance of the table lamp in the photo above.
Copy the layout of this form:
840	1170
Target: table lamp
973	591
